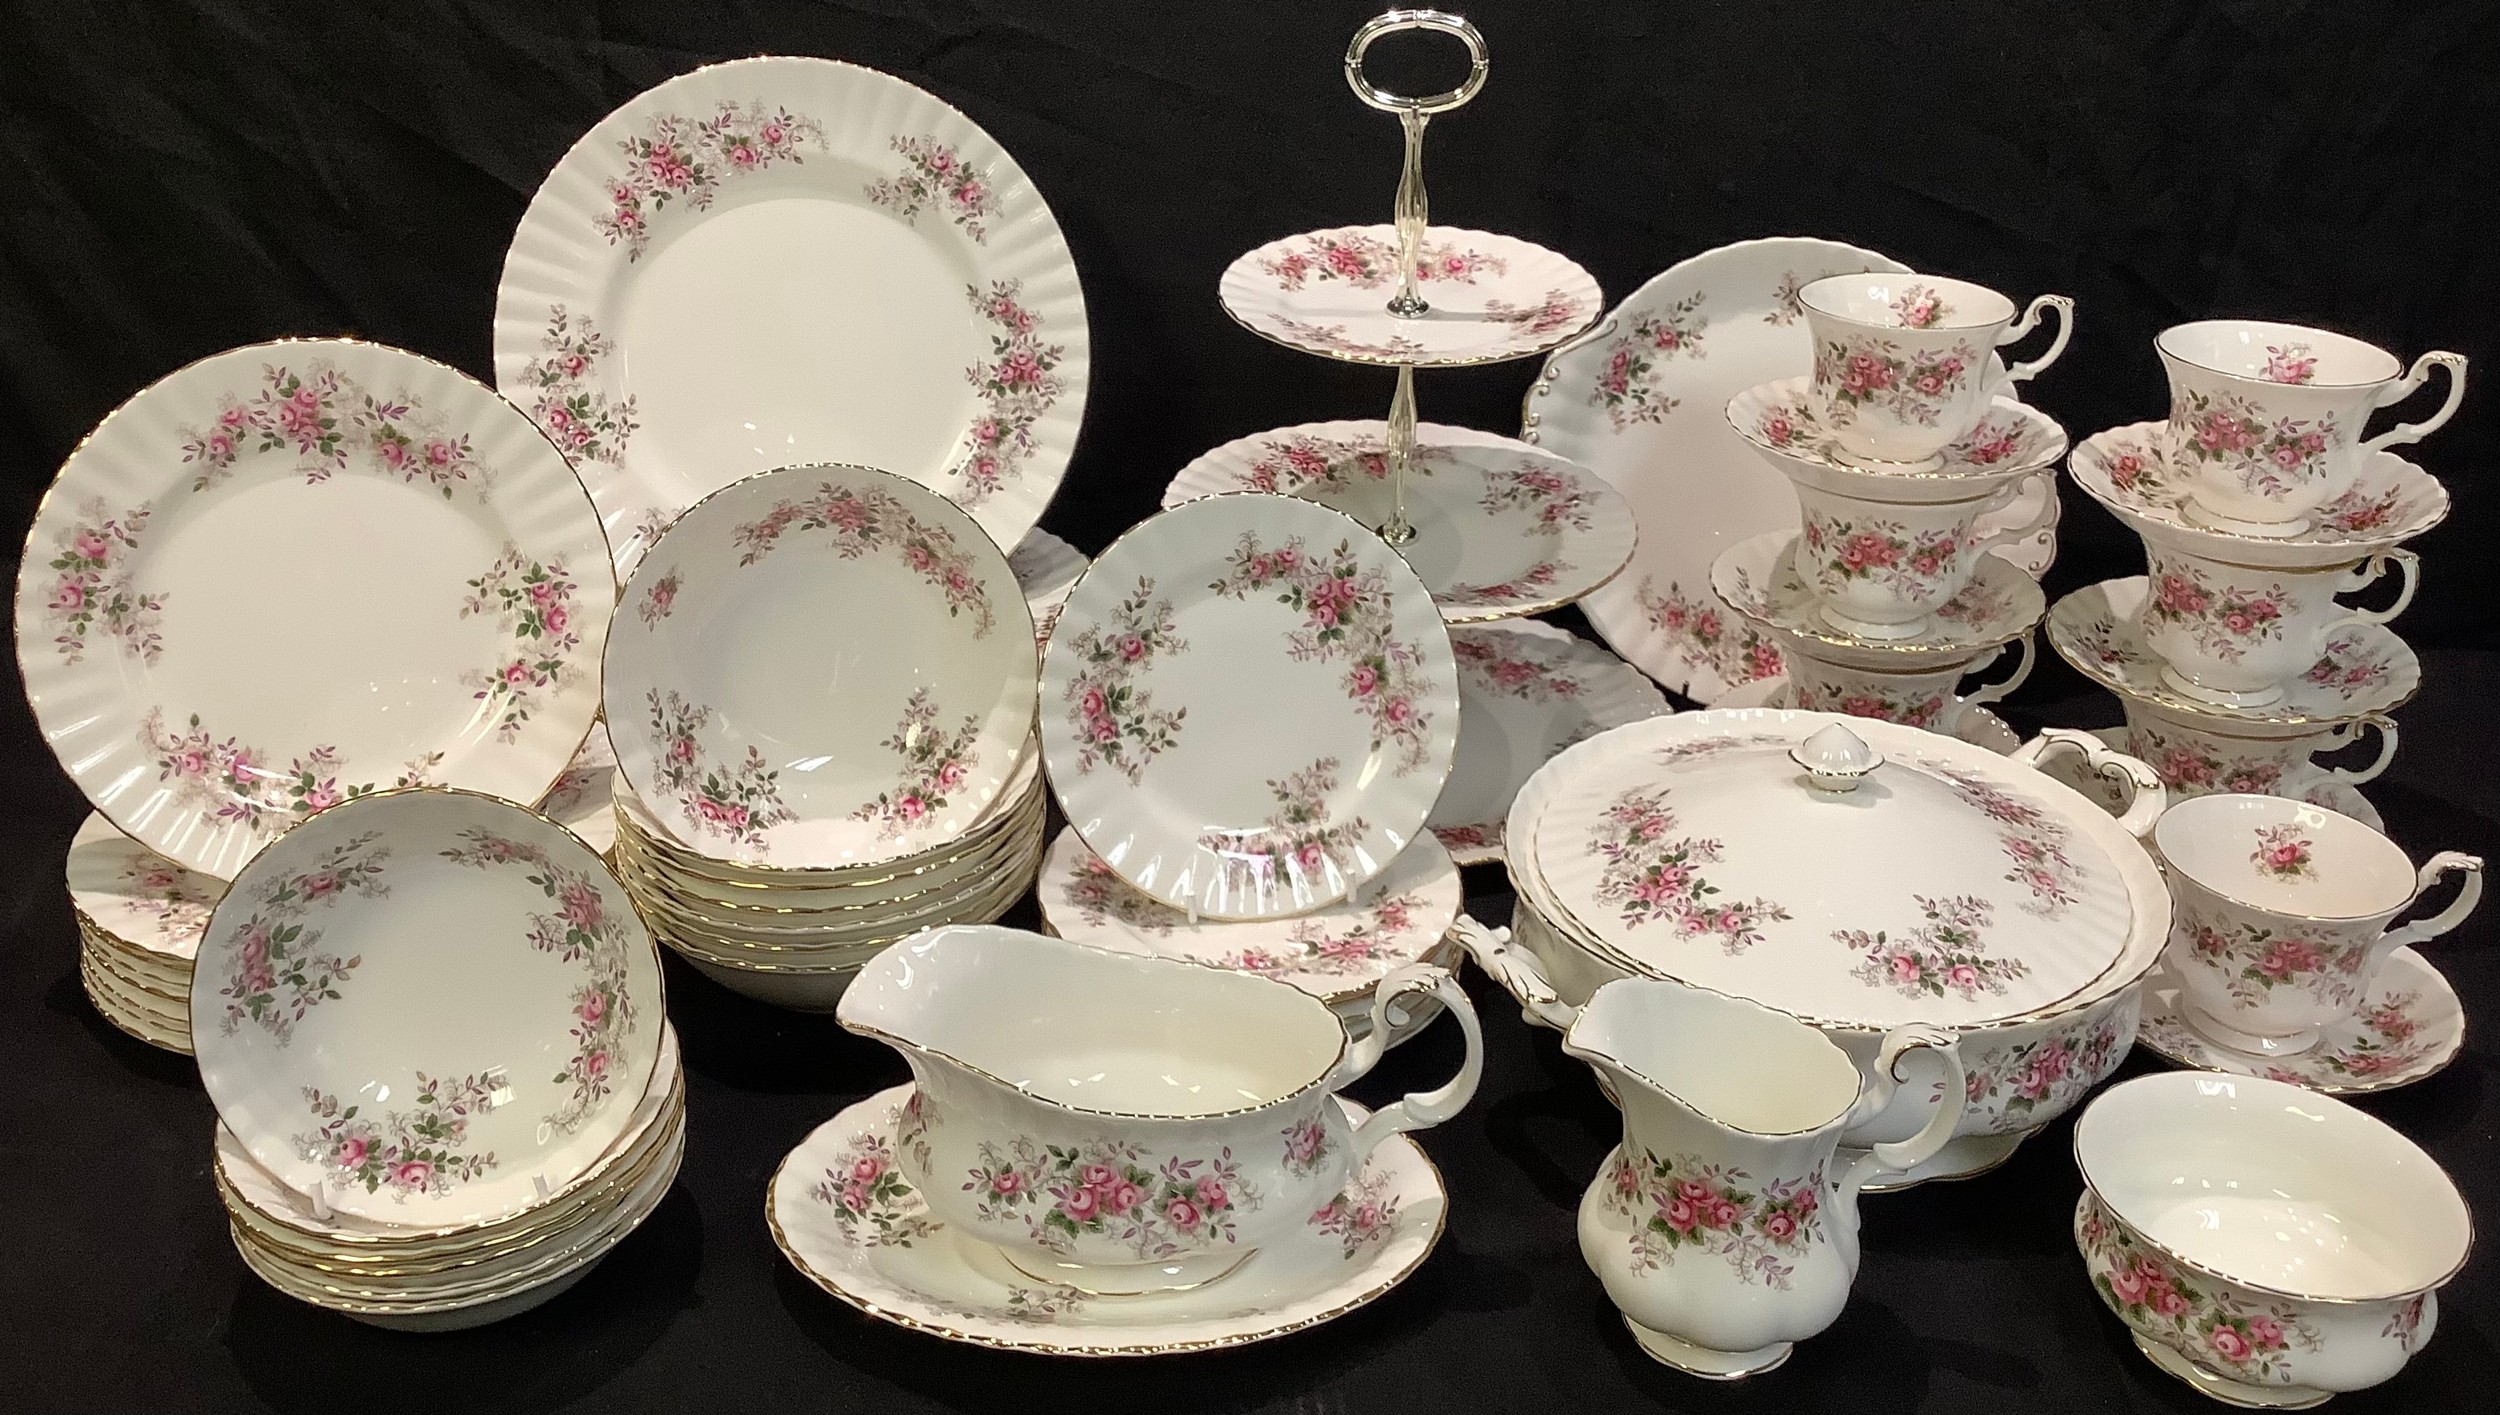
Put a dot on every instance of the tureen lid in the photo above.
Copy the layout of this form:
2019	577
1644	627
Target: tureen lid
1840	869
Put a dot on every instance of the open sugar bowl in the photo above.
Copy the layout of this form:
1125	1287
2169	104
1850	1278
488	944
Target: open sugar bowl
2268	1246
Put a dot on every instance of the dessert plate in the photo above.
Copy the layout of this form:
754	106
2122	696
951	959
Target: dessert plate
1249	706
2365	668
1526	690
846	1219
427	1007
1758	579
784	260
2127	469
2408	1029
821	665
294	572
1779	421
130	892
1491	297
1336	954
1501	528
1640	402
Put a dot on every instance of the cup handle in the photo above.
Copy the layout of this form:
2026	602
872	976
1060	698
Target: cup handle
2065	307
1902	1156
2386	749
2424	930
2047	515
2022	670
1517	971
2369	572
2145	799
2403	388
1419	1110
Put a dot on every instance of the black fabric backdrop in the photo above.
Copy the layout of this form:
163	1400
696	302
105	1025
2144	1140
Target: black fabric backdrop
181	176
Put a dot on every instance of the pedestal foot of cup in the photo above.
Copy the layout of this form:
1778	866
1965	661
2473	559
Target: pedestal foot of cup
2266	530
2223	1034
1126	1279
2226	1390
2220	697
1907	629
1704	1362
1963	1157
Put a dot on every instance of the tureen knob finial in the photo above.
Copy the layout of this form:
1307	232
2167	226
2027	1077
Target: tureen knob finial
1835	759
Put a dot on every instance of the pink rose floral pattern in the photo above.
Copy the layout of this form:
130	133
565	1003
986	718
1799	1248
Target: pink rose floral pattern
871	1203
737	802
1627	384
1370	945
1297	839
1948	954
567	400
2047	1074
1653	874
2283	853
1866	700
2353	664
421	1150
1532	675
1362	1216
1555	500
1679	1202
583	930
93	589
1533	323
2255	960
2225	622
331	423
1788	303
1112	1190
1698	632
1307	1147
1873	374
1535	582
531	602
676	161
857	521
1288	465
178	900
2289	363
1837	552
935	177
1333	339
1368	262
935	765
2393	1042
2187	765
1100	896
278	970
230	783
659	598
1017	383
2167	1303
1919	307
1791	424
2227	433
2033	841
1110	711
1347	617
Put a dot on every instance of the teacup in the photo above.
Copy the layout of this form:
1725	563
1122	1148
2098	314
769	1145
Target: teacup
1924	698
2235	634
2267	1245
2265	419
2253	758
1901	362
1881	567
2281	911
1126	1124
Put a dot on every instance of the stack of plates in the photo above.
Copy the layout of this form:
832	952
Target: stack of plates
821	695
140	917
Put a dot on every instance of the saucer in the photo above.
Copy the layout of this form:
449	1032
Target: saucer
1978	726
1492	297
2366	668
2311	784
2127	468
1758	579
2408	1029
1502	529
842	1214
1778	420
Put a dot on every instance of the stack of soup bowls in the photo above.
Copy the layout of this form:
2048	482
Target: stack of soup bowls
1912	459
140	917
2259	502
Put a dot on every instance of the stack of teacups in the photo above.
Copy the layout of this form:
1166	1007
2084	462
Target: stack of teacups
140	917
2258	503
1912	459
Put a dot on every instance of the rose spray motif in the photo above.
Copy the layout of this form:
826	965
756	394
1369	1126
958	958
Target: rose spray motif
677	161
1367	262
2283	853
1116	722
738	803
1018	383
859	521
95	589
1627	383
1297	836
531	602
870	1200
1683	1202
570	406
936	177
1346	618
414	1151
331	423
2166	1303
278	971
1698	632
1653	873
1946	954
1111	1188
935	765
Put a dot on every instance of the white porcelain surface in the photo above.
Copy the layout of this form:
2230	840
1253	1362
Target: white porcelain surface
1131	1124
1925	698
2407	1027
1882	570
435	615
1046	568
847	1218
425	1006
1901	361
1973	724
2009	441
782	260
1502	529
583	799
2235	633
1492	297
2265	418
2363	669
1758	581
1249	706
2128	470
762	724
137	895
2195	759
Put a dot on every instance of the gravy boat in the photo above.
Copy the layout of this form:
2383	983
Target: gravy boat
1121	1124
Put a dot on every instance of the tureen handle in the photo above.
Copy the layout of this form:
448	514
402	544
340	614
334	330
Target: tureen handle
1419	1110
2144	802
1902	1156
1517	971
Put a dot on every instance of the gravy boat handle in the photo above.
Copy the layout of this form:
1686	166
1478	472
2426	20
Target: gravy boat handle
1419	1110
1517	971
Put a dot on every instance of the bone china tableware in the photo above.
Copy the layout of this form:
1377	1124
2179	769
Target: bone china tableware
2129	470
1900	361
1502	529
2194	758
2406	1027
1128	1124
140	918
426	1006
1329	292
1722	1225
2233	634
1825	897
762	723
2268	1246
2363	668
1882	569
1249	706
846	1217
784	260
1920	698
2009	441
2282	915
1759	582
436	614
2265	419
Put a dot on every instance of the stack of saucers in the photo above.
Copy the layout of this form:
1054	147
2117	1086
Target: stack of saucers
434	1031
821	696
140	917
